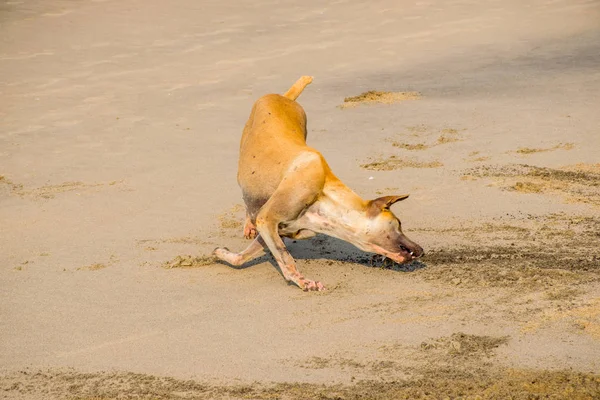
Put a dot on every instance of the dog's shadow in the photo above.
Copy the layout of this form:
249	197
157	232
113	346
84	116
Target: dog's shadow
329	248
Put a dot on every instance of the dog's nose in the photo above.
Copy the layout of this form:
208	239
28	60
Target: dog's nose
418	252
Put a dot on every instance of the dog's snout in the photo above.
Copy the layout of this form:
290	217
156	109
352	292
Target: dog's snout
411	248
417	252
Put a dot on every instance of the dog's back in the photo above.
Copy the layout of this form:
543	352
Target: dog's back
276	122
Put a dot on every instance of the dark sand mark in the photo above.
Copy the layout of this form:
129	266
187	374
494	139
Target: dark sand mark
189	262
373	96
577	184
528	150
587	174
387	190
231	221
458	348
483	382
92	267
542	253
331	362
475	156
418	130
463	345
150	244
392	163
408	146
447	135
50	191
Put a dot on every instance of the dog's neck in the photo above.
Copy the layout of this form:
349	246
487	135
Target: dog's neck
341	199
339	212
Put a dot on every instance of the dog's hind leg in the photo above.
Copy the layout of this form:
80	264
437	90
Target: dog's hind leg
255	250
249	228
298	87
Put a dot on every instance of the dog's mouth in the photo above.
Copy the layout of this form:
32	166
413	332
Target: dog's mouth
403	256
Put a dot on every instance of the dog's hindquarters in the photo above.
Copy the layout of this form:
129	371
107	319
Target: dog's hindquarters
276	122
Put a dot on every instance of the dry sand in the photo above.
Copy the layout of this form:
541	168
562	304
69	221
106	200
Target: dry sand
119	130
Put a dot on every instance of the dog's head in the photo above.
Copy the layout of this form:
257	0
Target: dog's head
384	232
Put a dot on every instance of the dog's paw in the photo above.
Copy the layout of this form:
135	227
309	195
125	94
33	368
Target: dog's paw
309	286
221	252
250	233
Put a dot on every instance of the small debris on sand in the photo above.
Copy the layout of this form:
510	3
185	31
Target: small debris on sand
392	163
188	262
93	267
374	96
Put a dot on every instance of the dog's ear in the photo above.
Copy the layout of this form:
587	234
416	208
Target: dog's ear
374	207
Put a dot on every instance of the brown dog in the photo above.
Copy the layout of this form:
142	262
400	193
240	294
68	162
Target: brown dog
290	191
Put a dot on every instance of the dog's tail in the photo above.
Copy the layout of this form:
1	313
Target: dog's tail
298	87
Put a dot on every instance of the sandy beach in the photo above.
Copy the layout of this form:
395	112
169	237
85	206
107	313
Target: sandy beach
120	124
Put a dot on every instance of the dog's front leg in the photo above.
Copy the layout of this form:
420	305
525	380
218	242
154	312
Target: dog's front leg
297	190
269	232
